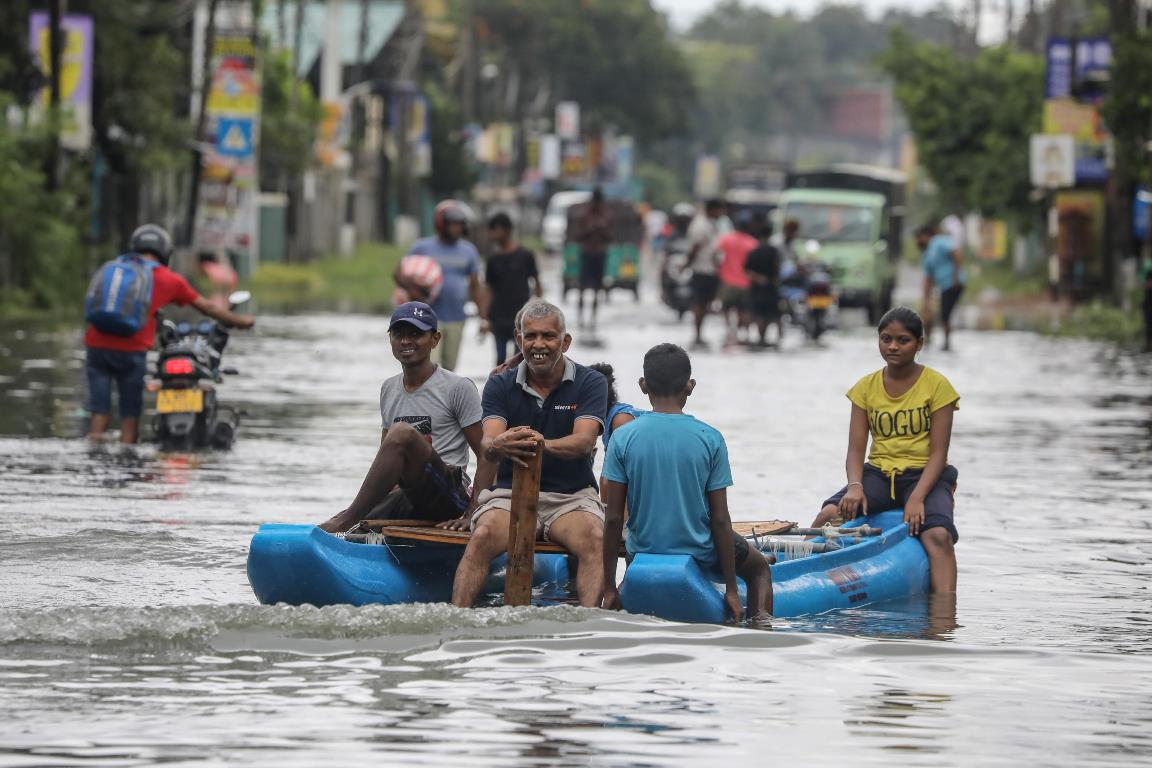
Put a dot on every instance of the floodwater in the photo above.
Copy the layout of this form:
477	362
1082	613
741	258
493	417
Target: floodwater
129	635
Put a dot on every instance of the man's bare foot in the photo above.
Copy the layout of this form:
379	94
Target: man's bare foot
338	523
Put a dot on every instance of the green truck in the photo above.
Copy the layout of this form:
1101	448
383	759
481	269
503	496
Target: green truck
855	214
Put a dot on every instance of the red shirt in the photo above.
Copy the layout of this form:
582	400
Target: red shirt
735	246
167	288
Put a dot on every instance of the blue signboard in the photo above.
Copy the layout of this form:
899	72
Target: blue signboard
234	137
1077	67
1142	214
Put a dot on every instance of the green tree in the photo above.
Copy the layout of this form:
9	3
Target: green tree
972	118
615	57
287	126
1128	108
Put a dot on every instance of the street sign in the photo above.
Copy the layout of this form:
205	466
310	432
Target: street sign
1052	161
234	137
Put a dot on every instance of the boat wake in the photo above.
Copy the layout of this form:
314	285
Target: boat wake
236	627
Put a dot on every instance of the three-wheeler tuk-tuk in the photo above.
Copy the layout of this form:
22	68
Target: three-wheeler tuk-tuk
622	266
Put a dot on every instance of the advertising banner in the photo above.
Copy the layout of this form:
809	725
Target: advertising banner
1093	144
568	120
226	213
1077	68
1052	161
75	74
550	156
707	180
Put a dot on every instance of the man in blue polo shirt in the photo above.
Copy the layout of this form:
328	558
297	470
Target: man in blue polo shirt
460	262
551	400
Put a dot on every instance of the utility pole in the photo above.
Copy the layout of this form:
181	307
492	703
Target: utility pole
56	11
201	120
362	43
297	41
468	63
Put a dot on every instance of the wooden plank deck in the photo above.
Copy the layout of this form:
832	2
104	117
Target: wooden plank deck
426	531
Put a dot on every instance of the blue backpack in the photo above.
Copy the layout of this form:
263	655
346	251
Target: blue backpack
119	297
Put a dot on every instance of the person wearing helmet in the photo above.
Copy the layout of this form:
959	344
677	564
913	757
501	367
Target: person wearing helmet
122	359
460	262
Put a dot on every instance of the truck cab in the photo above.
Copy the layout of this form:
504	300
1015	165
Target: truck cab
855	215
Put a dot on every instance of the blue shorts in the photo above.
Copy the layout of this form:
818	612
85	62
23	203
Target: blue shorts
127	369
938	505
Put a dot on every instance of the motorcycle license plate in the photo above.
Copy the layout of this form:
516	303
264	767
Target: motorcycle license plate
819	302
180	401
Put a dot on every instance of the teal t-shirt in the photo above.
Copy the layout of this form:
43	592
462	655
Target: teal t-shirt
938	264
670	463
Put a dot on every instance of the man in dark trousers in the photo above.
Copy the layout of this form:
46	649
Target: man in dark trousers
512	279
593	235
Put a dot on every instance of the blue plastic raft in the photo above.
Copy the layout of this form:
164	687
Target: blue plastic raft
301	564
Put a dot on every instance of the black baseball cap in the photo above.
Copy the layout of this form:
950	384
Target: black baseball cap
415	313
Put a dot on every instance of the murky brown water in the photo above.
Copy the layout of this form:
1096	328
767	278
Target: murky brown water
129	636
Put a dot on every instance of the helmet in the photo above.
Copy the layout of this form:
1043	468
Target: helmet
686	210
744	219
448	211
154	239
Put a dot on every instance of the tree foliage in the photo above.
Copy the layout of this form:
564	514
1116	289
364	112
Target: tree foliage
139	128
287	134
615	57
972	118
762	74
1128	108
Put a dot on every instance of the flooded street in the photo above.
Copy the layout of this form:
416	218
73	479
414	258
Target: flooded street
129	634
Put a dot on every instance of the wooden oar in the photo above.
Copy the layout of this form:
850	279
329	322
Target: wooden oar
522	530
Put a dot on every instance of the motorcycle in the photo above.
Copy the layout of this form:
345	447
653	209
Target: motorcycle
188	413
809	294
819	300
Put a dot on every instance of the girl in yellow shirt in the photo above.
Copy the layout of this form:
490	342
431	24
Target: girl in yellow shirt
907	410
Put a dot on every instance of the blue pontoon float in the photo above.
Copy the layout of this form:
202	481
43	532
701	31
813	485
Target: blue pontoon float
301	564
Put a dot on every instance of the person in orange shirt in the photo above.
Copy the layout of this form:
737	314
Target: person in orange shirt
734	248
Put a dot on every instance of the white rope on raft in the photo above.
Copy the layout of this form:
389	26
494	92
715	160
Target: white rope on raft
790	549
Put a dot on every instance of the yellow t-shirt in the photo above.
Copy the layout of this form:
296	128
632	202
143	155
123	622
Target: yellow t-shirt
899	425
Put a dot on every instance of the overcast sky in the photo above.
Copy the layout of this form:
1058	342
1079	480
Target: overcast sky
684	12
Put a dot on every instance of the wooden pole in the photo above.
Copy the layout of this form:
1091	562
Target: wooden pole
522	531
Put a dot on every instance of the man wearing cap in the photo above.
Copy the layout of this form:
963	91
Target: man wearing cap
430	418
460	262
547	402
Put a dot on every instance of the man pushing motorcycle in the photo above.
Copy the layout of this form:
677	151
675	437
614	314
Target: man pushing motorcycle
120	308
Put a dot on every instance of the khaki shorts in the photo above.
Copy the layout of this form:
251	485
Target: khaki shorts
552	506
447	352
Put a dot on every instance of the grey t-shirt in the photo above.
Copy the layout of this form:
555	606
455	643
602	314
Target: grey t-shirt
439	410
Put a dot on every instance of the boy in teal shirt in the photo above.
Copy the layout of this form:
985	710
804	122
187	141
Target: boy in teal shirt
673	472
